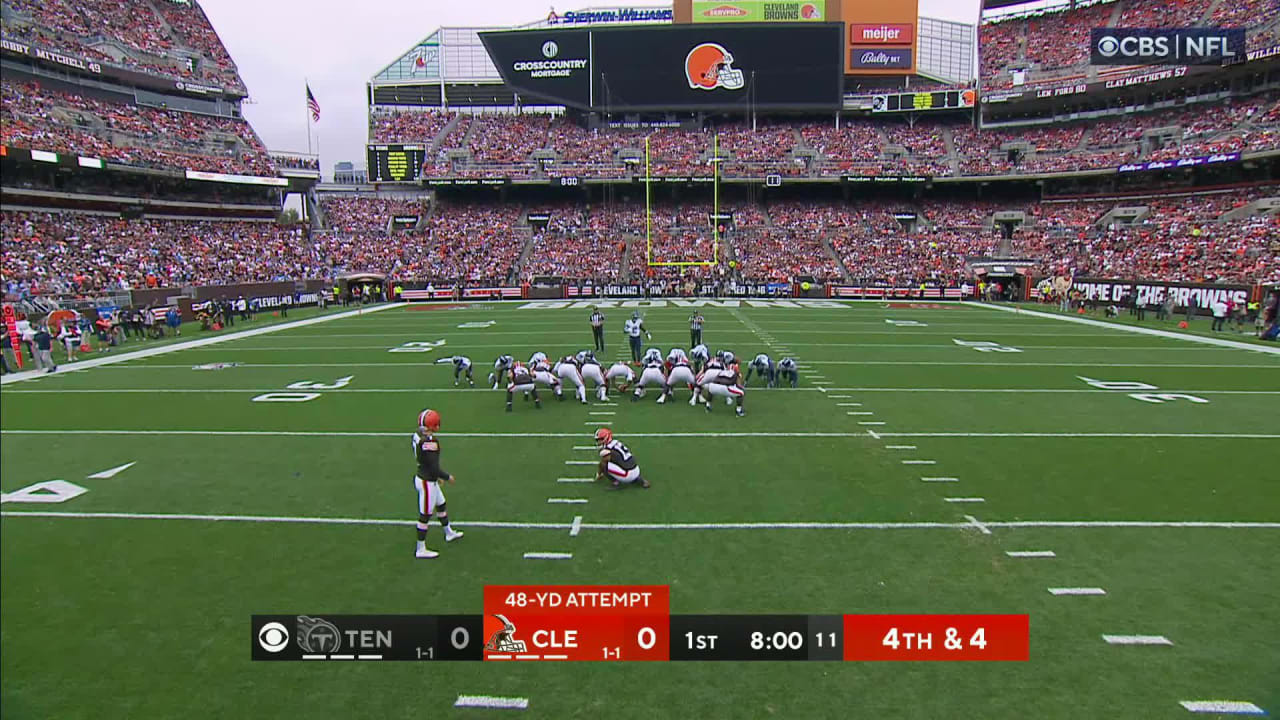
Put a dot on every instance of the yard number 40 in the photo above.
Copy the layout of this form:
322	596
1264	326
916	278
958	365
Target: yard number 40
1157	398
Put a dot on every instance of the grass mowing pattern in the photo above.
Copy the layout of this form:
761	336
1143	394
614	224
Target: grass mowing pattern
149	618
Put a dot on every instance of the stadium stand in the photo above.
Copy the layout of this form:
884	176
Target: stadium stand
103	126
164	38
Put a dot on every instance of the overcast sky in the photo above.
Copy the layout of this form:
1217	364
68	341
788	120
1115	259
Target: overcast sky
280	44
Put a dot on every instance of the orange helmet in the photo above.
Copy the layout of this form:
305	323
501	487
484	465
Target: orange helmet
604	436
709	66
429	419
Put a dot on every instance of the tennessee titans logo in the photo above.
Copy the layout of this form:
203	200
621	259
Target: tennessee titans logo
317	635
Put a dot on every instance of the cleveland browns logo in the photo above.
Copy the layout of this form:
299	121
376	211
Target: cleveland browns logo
710	66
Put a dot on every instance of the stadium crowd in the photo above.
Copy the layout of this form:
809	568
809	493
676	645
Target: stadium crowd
505	145
478	243
45	119
143	40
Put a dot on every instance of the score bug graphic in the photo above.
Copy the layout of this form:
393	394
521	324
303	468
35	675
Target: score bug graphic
576	622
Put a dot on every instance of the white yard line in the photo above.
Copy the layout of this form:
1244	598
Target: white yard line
567	501
349	390
112	359
1077	591
940	479
1137	640
576	527
561	526
575	480
1217	342
965	500
417	367
1031	553
1222	707
516	435
491	702
548	556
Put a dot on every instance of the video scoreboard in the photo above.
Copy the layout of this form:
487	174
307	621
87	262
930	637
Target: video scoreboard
915	102
632	623
396	163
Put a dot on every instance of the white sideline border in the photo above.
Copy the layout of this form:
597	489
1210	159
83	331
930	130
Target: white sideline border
110	359
562	526
1233	344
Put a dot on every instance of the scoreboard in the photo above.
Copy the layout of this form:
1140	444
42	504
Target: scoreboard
914	102
396	163
633	623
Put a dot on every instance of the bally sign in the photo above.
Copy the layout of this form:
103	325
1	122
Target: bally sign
861	58
880	34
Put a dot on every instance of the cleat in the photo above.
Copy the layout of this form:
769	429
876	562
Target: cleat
450	534
741	413
644	483
508	407
693	401
708	406
615	485
537	404
662	399
426	554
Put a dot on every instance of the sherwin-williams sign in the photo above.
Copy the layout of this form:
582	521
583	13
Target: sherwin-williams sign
713	11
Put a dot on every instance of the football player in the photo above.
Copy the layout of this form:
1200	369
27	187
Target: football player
632	328
426	449
727	358
763	366
538	357
616	462
542	373
620	370
461	364
725	383
678	372
653	373
592	371
503	364
567	369
788	370
700	355
522	381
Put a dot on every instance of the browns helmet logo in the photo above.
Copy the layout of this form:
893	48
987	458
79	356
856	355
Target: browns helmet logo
504	638
710	66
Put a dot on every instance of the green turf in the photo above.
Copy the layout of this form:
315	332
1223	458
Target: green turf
146	618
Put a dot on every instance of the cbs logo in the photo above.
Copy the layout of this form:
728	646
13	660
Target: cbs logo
1108	46
273	637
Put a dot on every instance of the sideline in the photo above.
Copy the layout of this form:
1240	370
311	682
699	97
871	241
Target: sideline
190	344
1233	344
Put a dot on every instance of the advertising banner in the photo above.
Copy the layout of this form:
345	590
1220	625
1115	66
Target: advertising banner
1201	296
727	11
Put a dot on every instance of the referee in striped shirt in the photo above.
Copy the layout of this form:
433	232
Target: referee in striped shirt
695	329
597	329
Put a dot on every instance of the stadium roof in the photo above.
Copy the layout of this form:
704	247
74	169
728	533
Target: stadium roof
1032	5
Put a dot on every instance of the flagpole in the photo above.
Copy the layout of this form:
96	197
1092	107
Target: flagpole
307	106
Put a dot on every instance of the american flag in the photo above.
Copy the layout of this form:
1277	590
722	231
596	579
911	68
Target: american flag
312	105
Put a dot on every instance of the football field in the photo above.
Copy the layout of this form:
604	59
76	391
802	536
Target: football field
934	459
